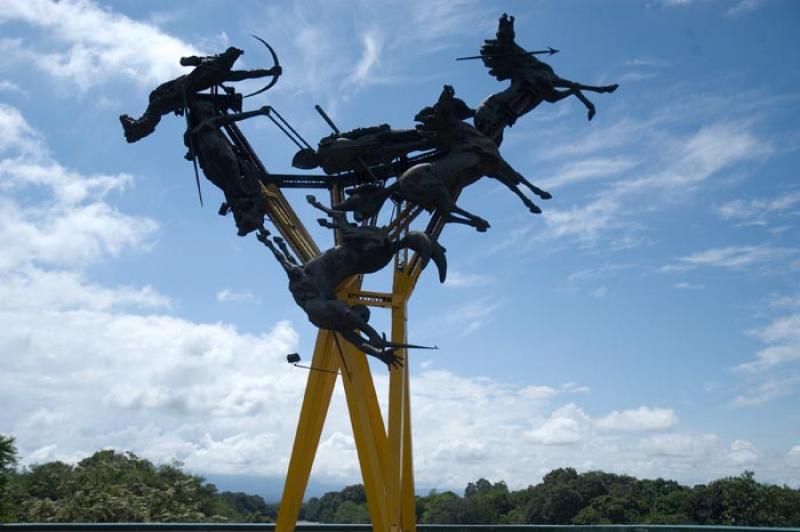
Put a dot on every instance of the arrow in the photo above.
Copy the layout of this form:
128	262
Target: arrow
549	51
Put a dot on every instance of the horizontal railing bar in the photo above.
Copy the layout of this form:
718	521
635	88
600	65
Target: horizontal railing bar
317	527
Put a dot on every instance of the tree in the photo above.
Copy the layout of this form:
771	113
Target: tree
728	501
350	512
113	487
8	462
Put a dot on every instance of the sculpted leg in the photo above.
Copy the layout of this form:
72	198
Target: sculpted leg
475	221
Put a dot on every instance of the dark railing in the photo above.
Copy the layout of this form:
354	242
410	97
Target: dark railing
314	527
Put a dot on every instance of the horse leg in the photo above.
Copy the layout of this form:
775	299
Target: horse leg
561	82
507	169
576	88
475	221
554	96
339	217
515	189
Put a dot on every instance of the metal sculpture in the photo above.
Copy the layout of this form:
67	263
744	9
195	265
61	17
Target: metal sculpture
532	82
209	71
363	250
426	167
236	176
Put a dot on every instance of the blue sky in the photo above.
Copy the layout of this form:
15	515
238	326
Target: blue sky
648	322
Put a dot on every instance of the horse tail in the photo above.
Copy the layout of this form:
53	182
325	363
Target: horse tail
427	248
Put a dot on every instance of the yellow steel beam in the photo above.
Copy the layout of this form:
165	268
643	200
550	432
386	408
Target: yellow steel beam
369	434
319	389
400	408
385	456
371	299
397	413
287	223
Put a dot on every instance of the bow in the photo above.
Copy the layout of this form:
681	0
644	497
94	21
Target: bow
276	64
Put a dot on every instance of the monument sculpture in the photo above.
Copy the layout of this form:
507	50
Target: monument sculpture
532	82
424	168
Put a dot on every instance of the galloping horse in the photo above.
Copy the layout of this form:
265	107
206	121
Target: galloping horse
469	155
532	81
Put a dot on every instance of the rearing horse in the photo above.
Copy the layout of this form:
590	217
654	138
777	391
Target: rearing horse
532	82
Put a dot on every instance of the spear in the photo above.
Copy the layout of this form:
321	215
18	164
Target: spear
549	51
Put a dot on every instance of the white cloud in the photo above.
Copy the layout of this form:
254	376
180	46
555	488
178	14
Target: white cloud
9	86
87	45
783	339
227	295
757	211
768	390
733	257
794	453
587	169
744	6
682	164
473	315
565	426
680	445
74	226
743	454
689	286
647	61
547	392
372	43
457	279
330	66
639	419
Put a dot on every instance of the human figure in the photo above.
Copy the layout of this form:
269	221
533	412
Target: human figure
223	165
174	95
363	250
532	82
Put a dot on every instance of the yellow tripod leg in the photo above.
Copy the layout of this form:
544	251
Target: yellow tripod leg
402	477
319	389
369	433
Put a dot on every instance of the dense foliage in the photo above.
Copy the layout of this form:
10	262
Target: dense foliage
118	487
113	487
595	497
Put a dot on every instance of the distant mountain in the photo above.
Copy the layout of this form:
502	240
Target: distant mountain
270	488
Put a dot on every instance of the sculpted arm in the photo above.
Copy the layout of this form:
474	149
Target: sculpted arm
239	75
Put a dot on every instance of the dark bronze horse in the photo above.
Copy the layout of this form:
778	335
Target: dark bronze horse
532	82
466	156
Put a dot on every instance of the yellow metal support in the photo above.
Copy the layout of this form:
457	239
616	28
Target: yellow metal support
312	417
384	452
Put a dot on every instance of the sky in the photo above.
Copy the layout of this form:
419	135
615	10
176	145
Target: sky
647	322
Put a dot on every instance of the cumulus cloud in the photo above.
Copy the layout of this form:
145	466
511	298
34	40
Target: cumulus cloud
565	426
680	445
86	45
742	454
74	225
642	418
